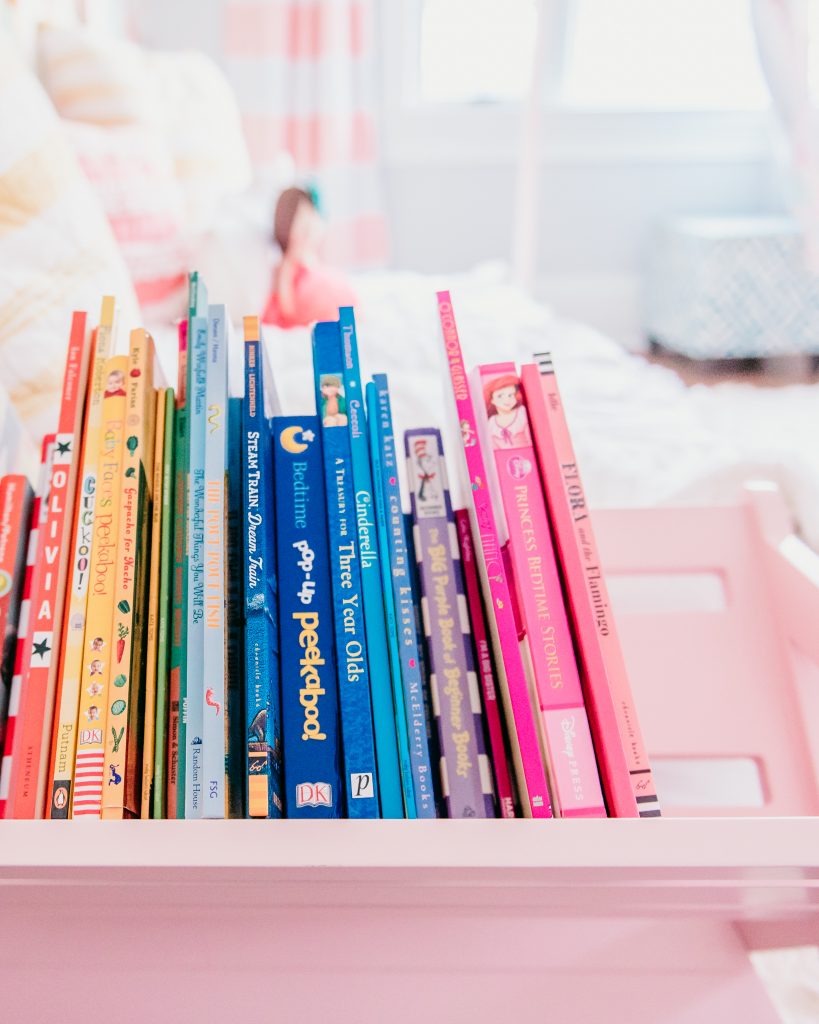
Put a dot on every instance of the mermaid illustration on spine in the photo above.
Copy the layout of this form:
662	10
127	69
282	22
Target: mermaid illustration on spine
333	403
508	422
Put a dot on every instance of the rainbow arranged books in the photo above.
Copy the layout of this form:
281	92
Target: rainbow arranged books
210	609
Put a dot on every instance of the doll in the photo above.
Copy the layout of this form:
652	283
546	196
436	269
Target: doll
508	422
304	290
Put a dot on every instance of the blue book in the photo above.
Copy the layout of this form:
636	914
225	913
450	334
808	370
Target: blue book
360	775
196	401
386	740
393	641
262	697
235	706
214	796
404	597
309	683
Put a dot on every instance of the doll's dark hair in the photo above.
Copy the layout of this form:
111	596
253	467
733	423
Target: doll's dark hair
286	208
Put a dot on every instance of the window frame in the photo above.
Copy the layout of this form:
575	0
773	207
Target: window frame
415	131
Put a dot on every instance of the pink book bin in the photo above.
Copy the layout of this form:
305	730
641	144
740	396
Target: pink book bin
396	922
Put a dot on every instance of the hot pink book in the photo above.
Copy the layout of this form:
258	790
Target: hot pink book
483	662
575	782
621	752
521	724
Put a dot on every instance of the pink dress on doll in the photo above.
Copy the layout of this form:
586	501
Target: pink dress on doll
317	294
514	434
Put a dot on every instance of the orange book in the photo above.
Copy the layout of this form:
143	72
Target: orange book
32	737
123	760
97	646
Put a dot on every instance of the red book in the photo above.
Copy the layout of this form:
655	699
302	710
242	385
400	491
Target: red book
38	513
483	662
15	522
32	738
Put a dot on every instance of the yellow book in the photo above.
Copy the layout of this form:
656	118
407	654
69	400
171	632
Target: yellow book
123	761
89	761
153	609
65	731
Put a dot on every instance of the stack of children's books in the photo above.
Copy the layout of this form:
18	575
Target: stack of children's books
213	610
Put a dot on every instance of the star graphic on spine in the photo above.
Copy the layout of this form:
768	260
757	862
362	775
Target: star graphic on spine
308	435
63	447
41	649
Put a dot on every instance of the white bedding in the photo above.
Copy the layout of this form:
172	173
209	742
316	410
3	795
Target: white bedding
642	437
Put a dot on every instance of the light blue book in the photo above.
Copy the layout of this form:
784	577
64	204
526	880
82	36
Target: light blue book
386	741
404	759
195	604
404	596
360	771
214	708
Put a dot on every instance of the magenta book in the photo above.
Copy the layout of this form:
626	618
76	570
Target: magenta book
575	781
621	752
522	728
483	664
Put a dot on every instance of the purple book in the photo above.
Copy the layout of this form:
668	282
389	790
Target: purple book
466	776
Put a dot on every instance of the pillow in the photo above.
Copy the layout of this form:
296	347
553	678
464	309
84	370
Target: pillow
57	253
132	175
184	97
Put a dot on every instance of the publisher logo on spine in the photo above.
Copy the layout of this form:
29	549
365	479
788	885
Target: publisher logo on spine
314	794
361	785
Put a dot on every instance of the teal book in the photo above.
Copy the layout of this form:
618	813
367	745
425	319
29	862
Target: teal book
375	624
196	400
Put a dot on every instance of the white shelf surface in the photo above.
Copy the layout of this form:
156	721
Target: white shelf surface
751	869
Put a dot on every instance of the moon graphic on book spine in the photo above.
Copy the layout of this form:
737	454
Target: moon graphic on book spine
289	442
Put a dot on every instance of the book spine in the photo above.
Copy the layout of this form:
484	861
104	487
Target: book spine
15	521
164	612
123	768
308	668
89	761
360	773
262	695
175	797
384	725
35	714
404	596
39	512
235	709
64	743
627	778
466	779
215	693
565	733
393	641
483	659
522	729
195	581
152	618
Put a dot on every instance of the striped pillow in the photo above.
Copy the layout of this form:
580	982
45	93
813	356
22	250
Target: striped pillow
184	97
57	252
132	175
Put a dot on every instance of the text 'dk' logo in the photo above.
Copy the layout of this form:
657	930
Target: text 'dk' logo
314	794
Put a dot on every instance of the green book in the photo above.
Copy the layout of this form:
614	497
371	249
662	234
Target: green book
164	614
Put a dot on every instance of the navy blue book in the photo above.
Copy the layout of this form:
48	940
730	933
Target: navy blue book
404	595
360	775
262	698
309	683
235	710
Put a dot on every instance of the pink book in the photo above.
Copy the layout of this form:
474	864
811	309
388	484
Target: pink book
565	734
626	773
483	662
520	719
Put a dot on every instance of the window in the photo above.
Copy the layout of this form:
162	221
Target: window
602	54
